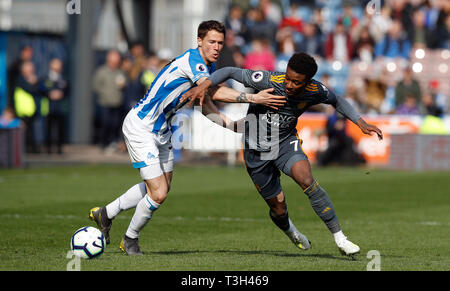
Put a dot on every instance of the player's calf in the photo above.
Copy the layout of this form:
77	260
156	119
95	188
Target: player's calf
321	203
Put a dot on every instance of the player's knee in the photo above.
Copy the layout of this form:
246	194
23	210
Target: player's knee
306	182
159	196
278	211
158	192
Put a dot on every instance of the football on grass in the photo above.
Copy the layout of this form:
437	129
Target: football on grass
87	242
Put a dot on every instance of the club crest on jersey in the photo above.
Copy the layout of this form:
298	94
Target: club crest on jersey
200	68
257	76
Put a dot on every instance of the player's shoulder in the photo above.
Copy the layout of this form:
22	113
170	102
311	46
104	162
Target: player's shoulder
277	77
192	59
190	55
316	88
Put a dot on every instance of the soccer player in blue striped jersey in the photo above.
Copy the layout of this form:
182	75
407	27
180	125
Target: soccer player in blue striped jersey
147	131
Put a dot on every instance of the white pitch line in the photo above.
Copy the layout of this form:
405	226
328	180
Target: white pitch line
180	218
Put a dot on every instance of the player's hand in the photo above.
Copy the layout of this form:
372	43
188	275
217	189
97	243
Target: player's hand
195	93
369	129
269	100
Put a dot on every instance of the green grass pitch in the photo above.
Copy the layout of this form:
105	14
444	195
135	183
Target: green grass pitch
214	220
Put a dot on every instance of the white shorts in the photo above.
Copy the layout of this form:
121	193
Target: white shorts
149	153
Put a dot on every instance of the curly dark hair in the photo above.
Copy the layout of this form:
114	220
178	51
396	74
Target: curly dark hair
209	25
304	64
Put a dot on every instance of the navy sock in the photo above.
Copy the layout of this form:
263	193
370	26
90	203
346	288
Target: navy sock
281	221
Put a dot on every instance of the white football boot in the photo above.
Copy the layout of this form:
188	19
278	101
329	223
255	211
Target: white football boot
347	248
298	238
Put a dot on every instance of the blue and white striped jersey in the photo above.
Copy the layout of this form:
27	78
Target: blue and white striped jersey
166	90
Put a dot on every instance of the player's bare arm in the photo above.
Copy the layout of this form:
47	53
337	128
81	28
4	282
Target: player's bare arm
213	114
225	94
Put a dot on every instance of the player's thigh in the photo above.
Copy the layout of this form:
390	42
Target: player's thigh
294	162
302	174
166	161
142	147
264	174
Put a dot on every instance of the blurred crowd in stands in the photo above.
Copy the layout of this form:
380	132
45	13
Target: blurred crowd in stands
384	56
38	103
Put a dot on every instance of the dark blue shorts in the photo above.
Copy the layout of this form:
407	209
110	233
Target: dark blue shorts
264	168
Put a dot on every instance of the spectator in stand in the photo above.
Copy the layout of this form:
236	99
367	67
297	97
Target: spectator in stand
260	27
409	106
239	57
442	33
375	92
109	81
56	87
431	14
380	24
292	20
407	86
311	42
226	56
339	45
421	35
14	70
260	57
133	67
441	99
27	105
151	70
429	106
394	44
340	149
8	119
317	19
286	50
135	87
348	19
235	22
401	11
352	96
271	10
365	46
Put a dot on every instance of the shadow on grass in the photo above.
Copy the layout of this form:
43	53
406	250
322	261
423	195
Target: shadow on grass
243	252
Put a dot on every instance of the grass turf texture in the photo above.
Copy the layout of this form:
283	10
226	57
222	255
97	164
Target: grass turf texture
214	220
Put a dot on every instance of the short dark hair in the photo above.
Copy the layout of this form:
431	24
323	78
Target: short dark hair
209	25
304	64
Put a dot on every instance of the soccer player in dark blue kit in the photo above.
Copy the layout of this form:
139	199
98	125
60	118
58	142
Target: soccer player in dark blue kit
271	143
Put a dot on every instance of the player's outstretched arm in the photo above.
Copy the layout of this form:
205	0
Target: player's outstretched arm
345	108
204	84
213	114
229	95
225	94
